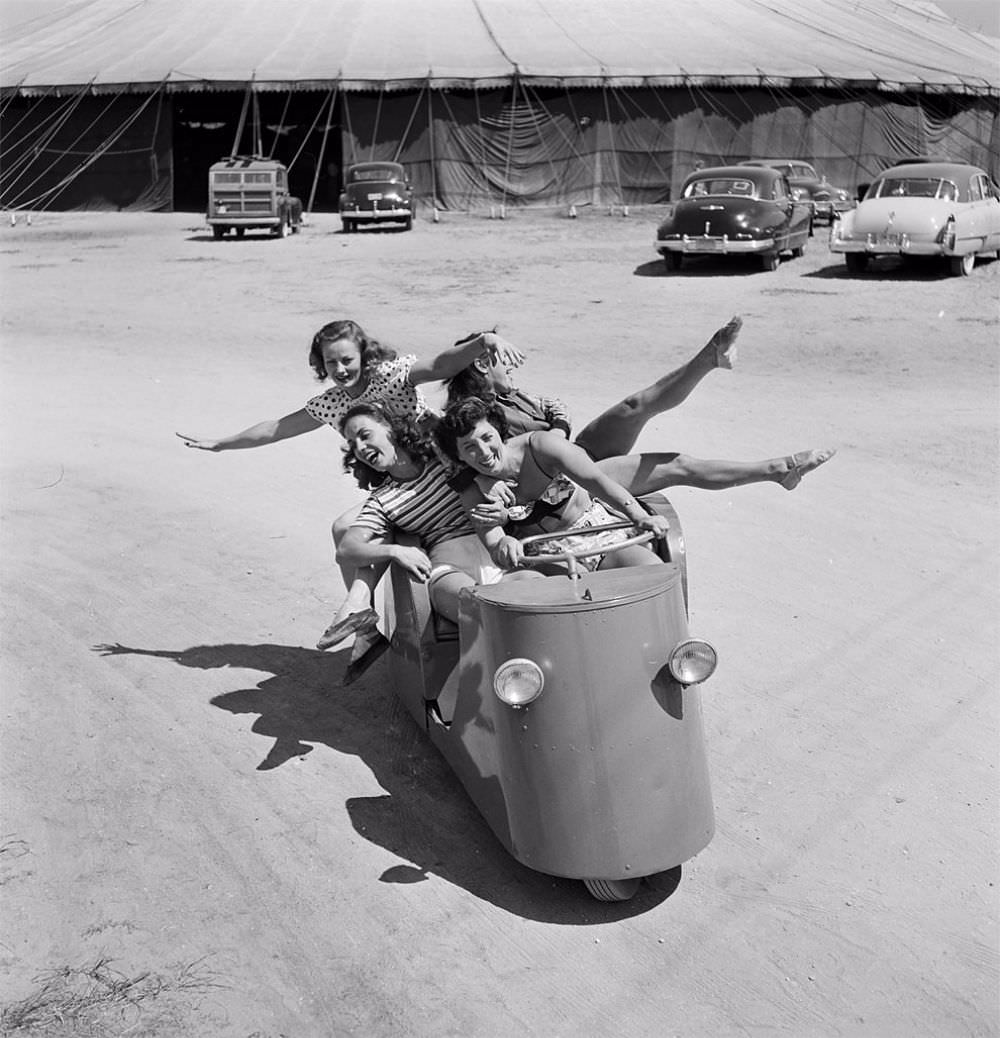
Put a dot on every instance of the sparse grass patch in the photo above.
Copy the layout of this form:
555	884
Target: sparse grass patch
98	1001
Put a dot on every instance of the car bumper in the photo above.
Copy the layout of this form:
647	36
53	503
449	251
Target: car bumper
374	215
709	245
249	222
891	245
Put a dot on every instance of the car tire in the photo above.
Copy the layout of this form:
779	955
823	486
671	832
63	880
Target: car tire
218	232
240	231
857	262
798	252
612	889
408	224
769	261
962	266
673	261
348	226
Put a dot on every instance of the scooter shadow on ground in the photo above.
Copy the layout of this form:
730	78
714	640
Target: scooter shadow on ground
425	818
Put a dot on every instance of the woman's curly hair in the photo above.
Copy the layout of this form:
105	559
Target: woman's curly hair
462	416
407	434
371	351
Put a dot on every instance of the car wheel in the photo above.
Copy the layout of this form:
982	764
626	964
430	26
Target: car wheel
348	226
673	261
798	252
408	223
612	889
218	232
857	262
962	266
240	231
769	261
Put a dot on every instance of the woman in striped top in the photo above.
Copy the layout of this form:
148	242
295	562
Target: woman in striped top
408	492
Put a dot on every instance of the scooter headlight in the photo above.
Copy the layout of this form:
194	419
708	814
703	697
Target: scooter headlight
518	682
692	661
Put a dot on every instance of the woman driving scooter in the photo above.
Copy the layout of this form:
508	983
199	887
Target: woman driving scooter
556	487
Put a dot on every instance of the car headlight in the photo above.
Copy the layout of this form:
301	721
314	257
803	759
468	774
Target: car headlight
692	661
518	682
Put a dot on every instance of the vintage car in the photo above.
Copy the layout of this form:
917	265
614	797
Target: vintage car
734	210
945	209
569	708
246	192
376	192
808	186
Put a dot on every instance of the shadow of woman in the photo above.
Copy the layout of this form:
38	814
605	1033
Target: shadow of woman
425	817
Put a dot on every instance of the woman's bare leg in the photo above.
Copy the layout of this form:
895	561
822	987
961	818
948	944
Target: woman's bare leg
645	473
615	431
340	526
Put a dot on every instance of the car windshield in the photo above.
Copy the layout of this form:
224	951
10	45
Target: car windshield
914	187
383	173
720	186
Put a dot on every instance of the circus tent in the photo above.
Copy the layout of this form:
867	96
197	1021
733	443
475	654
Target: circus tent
125	103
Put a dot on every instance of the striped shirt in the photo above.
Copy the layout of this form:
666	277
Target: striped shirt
425	506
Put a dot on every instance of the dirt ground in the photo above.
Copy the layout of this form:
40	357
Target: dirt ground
195	809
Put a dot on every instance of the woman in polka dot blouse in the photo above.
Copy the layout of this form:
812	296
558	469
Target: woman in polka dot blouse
362	370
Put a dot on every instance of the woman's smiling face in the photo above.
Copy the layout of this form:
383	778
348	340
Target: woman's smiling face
342	361
482	448
370	442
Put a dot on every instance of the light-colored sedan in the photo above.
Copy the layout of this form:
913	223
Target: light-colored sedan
946	209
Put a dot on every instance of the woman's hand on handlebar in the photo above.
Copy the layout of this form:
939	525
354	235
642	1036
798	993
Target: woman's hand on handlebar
509	553
656	524
414	560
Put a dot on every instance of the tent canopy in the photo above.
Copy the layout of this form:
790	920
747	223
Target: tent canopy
111	45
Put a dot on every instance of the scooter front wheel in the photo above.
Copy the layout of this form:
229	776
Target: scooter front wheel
612	889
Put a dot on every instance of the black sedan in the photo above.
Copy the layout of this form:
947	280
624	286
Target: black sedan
734	210
828	202
376	192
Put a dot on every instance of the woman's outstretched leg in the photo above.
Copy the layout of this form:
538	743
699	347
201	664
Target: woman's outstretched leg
615	431
645	473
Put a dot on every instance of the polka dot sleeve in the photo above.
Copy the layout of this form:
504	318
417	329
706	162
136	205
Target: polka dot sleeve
389	386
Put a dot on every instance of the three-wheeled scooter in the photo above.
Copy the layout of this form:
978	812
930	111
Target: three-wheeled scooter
569	708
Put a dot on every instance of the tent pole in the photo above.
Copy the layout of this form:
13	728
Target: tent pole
482	149
350	129
243	118
510	145
378	117
322	150
430	137
281	125
409	125
611	138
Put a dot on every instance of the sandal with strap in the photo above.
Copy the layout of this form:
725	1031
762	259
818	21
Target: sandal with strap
364	620
802	464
